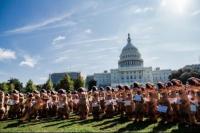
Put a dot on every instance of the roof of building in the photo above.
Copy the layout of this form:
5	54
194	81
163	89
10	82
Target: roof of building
130	55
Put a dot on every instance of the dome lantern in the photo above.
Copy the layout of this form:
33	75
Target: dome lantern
129	39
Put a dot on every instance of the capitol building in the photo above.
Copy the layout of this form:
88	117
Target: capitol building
131	69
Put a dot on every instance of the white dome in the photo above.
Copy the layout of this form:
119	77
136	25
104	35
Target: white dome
130	56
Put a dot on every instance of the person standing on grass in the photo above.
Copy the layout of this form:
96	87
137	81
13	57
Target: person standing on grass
109	107
83	105
2	107
139	106
96	107
129	104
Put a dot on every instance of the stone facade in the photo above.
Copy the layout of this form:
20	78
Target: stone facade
161	75
103	79
130	69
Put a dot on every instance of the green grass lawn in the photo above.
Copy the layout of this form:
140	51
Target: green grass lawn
73	124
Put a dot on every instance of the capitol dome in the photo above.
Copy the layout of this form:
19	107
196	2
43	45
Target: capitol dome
130	56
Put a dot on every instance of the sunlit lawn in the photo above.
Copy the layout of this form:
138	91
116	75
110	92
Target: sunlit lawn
75	125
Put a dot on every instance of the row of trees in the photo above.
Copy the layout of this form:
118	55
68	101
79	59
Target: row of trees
66	83
14	83
183	74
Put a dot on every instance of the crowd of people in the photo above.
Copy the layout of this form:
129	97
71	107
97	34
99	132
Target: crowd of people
172	102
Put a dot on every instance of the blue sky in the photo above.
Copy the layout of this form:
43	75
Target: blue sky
38	37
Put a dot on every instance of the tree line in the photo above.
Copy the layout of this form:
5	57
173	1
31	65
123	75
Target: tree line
69	85
183	74
66	83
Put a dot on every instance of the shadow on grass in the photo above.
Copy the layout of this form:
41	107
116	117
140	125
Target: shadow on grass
135	126
73	120
88	121
70	122
107	121
36	122
182	129
12	125
163	127
62	121
30	123
109	126
58	123
115	122
67	125
16	123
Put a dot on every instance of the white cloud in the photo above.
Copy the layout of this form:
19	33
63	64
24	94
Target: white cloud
143	10
63	56
88	31
178	47
58	39
60	59
7	54
67	23
94	40
100	50
29	61
197	12
175	7
87	42
37	26
109	9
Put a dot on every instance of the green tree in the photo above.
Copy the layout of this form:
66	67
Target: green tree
56	86
91	83
79	82
30	86
39	87
66	83
15	84
11	87
4	87
184	74
48	85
